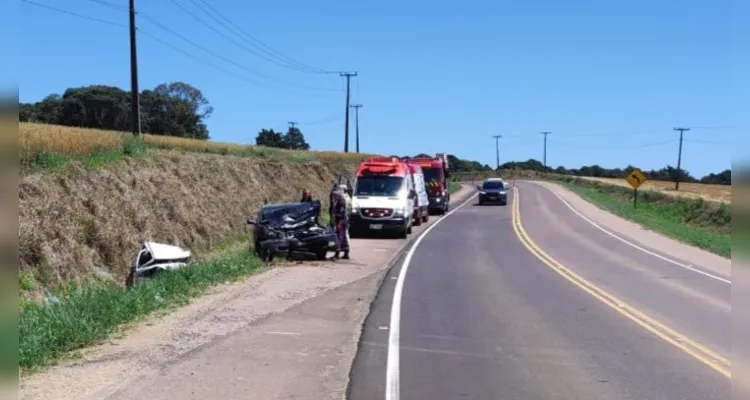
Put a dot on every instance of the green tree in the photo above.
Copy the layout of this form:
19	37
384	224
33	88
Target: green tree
269	138
295	140
175	109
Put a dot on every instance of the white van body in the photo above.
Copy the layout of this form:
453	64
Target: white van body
398	201
424	201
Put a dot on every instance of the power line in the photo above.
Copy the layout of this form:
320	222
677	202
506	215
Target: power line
545	146
240	45
291	63
626	146
348	76
207	50
134	90
61	11
270	55
164	43
111	5
679	158
497	151
709	141
329	119
356	108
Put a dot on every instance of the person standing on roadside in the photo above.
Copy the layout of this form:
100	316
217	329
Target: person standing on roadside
348	199
306	196
340	221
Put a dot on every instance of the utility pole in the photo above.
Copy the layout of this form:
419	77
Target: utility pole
356	108
497	151
292	124
135	96
545	147
679	159
348	76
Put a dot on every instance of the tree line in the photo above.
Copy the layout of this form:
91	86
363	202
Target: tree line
180	109
173	109
668	173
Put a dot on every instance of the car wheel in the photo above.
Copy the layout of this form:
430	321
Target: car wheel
321	254
403	234
417	221
409	229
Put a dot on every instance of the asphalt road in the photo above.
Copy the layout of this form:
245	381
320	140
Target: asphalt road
483	318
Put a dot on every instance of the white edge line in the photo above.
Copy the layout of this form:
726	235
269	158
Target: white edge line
631	244
392	377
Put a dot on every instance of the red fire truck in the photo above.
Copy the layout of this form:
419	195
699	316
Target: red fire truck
436	173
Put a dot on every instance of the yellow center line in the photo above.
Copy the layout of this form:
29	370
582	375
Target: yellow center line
689	346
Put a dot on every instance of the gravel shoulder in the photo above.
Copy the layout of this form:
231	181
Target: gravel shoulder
639	235
290	332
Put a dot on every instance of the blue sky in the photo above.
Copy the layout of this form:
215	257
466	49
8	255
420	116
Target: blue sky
609	79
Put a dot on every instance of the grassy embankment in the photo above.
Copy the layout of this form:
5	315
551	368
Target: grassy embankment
89	197
453	187
689	218
696	222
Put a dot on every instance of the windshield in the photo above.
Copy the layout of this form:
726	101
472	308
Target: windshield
432	175
379	185
493	185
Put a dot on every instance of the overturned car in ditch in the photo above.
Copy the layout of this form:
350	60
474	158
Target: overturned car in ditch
292	230
154	258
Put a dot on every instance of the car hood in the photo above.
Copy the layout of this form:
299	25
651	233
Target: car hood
287	215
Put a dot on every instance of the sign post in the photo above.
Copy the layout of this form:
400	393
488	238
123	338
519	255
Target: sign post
636	178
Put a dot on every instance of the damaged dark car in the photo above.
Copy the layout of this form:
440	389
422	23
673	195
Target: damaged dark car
293	231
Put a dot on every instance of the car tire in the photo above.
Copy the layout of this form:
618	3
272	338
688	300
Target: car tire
426	217
409	229
321	254
417	221
403	234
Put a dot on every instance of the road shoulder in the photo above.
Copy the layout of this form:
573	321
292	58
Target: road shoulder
636	234
296	297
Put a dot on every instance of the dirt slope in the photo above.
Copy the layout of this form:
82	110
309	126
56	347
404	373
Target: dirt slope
74	221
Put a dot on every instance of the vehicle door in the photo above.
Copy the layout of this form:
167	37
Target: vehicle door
410	202
422	191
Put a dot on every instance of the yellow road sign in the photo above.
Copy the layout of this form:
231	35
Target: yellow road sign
636	178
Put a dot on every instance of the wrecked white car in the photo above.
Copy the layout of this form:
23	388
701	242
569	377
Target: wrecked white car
154	258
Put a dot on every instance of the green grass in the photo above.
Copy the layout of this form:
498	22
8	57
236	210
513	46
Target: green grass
97	158
453	187
53	148
86	316
694	222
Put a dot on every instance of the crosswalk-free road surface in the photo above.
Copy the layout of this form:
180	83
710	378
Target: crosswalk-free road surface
484	315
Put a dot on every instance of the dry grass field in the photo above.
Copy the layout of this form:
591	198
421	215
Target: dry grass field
40	139
96	210
714	193
717	193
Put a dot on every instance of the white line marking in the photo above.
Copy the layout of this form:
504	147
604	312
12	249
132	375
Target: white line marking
631	244
283	333
392	377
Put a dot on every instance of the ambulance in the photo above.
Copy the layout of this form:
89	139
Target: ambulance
384	198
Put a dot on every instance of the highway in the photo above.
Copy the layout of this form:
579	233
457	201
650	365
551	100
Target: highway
530	301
